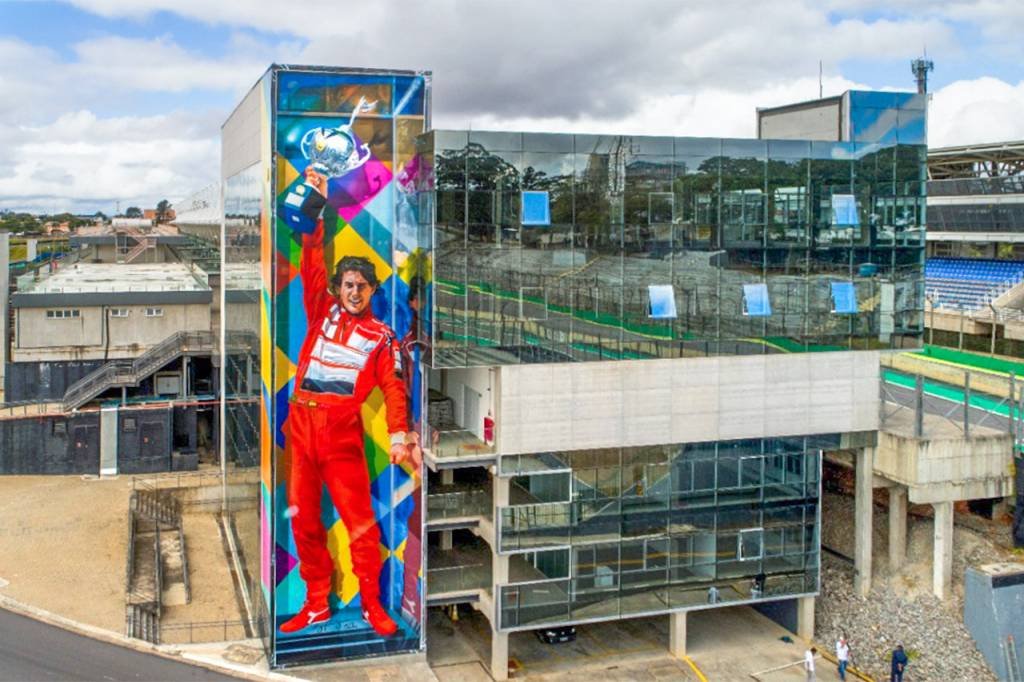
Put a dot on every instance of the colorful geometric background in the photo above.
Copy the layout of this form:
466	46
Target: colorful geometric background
359	219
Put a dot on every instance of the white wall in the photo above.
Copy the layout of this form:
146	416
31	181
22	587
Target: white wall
82	338
650	402
478	379
811	123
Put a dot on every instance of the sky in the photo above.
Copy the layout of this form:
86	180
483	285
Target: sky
107	103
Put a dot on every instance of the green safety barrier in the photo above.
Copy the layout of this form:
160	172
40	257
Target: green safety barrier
968	359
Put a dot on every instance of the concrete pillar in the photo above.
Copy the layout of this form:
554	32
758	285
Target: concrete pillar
942	559
677	634
447	476
897	527
499	655
446	540
5	246
863	522
499	566
805	618
502	491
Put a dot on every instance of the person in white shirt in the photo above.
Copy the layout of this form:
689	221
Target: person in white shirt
843	655
809	663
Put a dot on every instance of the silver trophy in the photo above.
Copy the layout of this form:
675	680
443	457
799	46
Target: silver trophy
334	151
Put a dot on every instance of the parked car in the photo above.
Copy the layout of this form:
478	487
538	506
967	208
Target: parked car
558	635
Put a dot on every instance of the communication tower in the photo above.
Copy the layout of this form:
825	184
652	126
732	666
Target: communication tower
920	68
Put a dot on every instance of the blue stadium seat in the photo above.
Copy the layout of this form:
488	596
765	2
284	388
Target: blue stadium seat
967	283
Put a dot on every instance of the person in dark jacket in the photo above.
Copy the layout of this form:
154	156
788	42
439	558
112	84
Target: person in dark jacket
899	664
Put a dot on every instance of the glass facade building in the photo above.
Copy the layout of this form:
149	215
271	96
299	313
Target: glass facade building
630	531
624	356
564	249
701	219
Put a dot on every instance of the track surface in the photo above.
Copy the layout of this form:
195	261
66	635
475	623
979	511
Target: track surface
31	650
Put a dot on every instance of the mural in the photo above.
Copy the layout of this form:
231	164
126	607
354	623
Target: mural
347	391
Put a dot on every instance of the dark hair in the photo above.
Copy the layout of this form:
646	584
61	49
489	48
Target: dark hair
353	264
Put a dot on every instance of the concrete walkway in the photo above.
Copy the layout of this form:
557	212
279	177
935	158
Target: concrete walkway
737	643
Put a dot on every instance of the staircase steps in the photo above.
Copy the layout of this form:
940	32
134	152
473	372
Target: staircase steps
131	372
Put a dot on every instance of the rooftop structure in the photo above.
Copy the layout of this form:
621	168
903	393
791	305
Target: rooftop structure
102	278
89	311
972	161
861	116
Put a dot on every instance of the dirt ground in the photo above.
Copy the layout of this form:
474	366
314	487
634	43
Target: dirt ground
62	545
63	549
213	594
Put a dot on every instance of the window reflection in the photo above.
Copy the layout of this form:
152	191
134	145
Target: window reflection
705	216
649	529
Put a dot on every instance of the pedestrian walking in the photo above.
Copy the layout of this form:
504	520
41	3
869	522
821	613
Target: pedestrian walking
809	663
843	656
899	664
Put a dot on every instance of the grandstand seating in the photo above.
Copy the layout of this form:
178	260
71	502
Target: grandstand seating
969	284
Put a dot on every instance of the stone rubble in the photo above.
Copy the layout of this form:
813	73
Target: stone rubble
900	608
932	632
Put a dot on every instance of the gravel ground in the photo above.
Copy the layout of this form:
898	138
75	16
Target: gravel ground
900	608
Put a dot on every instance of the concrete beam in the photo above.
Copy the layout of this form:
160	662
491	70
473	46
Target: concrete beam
955	491
897	527
863	522
942	557
499	655
677	634
805	618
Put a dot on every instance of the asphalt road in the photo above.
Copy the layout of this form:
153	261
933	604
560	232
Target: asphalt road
942	407
31	650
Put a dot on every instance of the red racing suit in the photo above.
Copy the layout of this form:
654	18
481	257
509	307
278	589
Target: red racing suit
342	359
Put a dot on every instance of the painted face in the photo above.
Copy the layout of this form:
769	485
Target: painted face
355	292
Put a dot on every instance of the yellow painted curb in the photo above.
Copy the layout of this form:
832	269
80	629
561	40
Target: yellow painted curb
700	675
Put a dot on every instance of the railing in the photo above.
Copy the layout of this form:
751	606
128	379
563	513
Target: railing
455	443
458	579
141	245
130	372
193	479
461	503
29	409
184	565
952	398
201	632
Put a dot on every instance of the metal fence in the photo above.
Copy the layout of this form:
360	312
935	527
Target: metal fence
203	632
967	400
193	479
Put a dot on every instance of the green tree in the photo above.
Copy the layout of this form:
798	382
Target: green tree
162	210
133	212
19	222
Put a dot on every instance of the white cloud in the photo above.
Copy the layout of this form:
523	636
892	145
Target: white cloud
708	113
160	65
81	162
982	110
645	67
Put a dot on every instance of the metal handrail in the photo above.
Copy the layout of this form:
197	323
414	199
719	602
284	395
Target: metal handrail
128	372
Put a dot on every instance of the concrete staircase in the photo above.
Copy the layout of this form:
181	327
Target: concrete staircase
122	373
157	572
